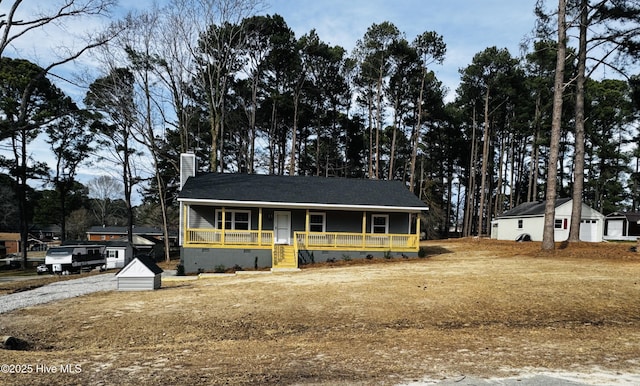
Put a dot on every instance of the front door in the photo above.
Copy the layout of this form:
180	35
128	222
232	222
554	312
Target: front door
282	227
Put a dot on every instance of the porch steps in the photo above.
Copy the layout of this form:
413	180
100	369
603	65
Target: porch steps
284	259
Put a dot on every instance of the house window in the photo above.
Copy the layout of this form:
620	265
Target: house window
234	219
380	223
560	223
111	254
520	225
317	222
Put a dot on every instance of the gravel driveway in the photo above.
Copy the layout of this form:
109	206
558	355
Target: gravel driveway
57	291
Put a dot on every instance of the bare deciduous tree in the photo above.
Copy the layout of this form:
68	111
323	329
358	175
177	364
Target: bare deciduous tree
222	21
18	23
104	190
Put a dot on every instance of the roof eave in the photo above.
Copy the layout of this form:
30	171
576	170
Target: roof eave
302	205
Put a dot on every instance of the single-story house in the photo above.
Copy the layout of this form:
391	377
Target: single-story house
105	233
11	242
622	226
528	218
141	274
274	221
146	240
148	246
46	232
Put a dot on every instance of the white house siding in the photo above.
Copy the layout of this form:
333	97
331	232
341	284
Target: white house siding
508	228
117	257
138	283
137	276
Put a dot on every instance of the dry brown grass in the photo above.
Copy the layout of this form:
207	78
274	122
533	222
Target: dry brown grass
476	307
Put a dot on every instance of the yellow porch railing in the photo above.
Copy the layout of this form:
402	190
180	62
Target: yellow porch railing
356	241
228	237
304	240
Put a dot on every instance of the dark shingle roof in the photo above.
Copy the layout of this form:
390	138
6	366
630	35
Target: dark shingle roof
299	190
630	216
153	267
534	208
147	262
123	230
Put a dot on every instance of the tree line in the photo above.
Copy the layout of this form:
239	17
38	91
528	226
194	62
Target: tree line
247	95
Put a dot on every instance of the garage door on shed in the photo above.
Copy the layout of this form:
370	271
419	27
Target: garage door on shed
615	228
589	230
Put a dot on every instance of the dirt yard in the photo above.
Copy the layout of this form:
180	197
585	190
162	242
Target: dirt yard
478	308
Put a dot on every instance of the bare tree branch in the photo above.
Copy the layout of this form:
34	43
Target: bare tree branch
12	29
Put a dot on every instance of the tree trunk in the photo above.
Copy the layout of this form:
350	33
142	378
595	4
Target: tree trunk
396	123
292	165
533	170
415	134
21	180
128	182
578	163
500	194
548	241
485	161
370	138
470	201
378	125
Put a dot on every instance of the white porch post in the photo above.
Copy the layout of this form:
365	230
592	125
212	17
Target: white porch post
224	220
259	226
364	229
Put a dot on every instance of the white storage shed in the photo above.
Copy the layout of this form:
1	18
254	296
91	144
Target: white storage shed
118	254
141	274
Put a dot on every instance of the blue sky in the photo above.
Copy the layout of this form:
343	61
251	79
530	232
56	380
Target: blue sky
467	26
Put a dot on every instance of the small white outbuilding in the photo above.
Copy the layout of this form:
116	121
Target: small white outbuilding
528	218
118	254
141	274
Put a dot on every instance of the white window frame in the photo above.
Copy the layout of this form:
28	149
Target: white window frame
386	222
520	223
230	216
323	224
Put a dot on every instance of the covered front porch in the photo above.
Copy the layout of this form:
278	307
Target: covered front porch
284	232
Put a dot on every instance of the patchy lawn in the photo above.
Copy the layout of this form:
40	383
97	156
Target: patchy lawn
476	307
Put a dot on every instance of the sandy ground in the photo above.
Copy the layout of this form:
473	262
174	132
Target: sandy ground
472	312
